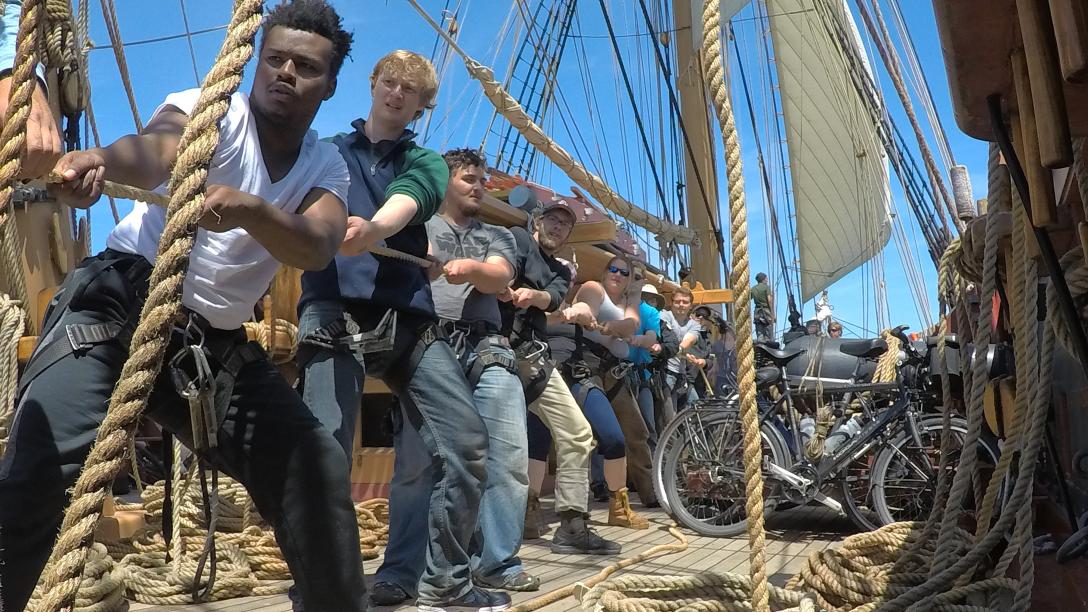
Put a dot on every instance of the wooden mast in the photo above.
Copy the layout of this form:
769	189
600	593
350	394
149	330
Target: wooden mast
705	261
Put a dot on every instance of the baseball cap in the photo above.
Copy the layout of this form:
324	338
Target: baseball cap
560	204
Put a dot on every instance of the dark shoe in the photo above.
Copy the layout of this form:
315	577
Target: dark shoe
653	503
388	594
599	490
583	541
477	600
520	581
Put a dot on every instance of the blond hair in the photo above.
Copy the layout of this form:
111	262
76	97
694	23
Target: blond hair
411	67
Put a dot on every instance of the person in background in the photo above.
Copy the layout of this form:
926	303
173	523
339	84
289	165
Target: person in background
813	328
763	304
644	346
686	330
834	329
699	357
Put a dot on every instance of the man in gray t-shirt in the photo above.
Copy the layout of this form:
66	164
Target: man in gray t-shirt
687	331
477	262
467	246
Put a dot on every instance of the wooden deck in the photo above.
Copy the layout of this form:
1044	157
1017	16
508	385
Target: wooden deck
791	535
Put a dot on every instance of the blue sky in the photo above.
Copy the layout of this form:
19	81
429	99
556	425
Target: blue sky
599	127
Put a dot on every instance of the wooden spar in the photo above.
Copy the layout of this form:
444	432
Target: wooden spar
1071	32
1048	99
705	263
1044	212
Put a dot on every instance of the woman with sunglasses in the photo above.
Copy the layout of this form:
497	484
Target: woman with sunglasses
588	341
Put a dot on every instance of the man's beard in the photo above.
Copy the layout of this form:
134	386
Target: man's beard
549	243
470	209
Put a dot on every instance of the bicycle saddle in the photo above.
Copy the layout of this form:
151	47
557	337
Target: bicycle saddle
865	349
779	357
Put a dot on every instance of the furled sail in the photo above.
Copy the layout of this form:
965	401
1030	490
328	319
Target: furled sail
837	163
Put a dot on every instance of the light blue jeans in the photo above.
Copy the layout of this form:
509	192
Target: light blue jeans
447	433
500	400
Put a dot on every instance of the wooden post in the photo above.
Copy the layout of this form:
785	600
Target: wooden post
1041	54
1071	34
1040	184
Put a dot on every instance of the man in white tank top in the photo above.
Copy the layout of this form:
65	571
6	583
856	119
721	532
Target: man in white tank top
275	194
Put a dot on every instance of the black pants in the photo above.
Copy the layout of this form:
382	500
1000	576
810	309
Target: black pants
291	466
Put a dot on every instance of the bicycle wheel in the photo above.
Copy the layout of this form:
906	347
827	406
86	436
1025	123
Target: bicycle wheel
904	476
674	433
703	472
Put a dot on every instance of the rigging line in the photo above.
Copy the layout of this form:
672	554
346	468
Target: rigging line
763	173
509	74
898	153
768	49
189	40
547	65
109	14
437	38
537	55
891	62
920	76
634	104
158	39
504	32
544	103
715	228
582	62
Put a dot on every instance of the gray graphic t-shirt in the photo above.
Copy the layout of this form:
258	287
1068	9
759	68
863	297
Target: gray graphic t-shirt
478	241
691	327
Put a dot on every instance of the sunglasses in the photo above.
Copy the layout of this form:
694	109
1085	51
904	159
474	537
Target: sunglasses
619	270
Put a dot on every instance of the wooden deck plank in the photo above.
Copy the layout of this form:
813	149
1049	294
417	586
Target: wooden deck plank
792	535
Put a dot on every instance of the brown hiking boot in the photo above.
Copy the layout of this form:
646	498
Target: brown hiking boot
620	513
534	522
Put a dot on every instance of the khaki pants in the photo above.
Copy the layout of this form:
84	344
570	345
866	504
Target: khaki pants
573	443
636	438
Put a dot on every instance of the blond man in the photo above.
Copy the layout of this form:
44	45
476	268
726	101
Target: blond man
372	315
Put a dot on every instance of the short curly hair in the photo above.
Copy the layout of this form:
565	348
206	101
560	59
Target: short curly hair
464	158
317	17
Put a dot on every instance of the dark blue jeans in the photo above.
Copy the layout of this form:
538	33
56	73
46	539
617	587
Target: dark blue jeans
437	403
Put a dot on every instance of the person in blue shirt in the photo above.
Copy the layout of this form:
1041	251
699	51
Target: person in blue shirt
643	348
43	144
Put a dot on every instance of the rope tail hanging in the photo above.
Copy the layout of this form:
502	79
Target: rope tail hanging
149	341
739	279
13	138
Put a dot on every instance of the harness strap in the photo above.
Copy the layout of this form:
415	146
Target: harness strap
485	358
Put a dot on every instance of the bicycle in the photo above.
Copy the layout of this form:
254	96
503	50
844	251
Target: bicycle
702	474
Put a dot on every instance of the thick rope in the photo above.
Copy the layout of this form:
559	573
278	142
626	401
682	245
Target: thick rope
713	74
162	308
12	323
13	137
509	108
579	589
249	561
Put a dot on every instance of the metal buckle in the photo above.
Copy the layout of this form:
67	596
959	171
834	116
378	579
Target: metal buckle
379	339
199	388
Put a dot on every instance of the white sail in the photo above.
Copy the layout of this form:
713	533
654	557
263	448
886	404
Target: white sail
837	163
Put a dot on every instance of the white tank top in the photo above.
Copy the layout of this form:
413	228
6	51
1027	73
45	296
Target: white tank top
609	311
